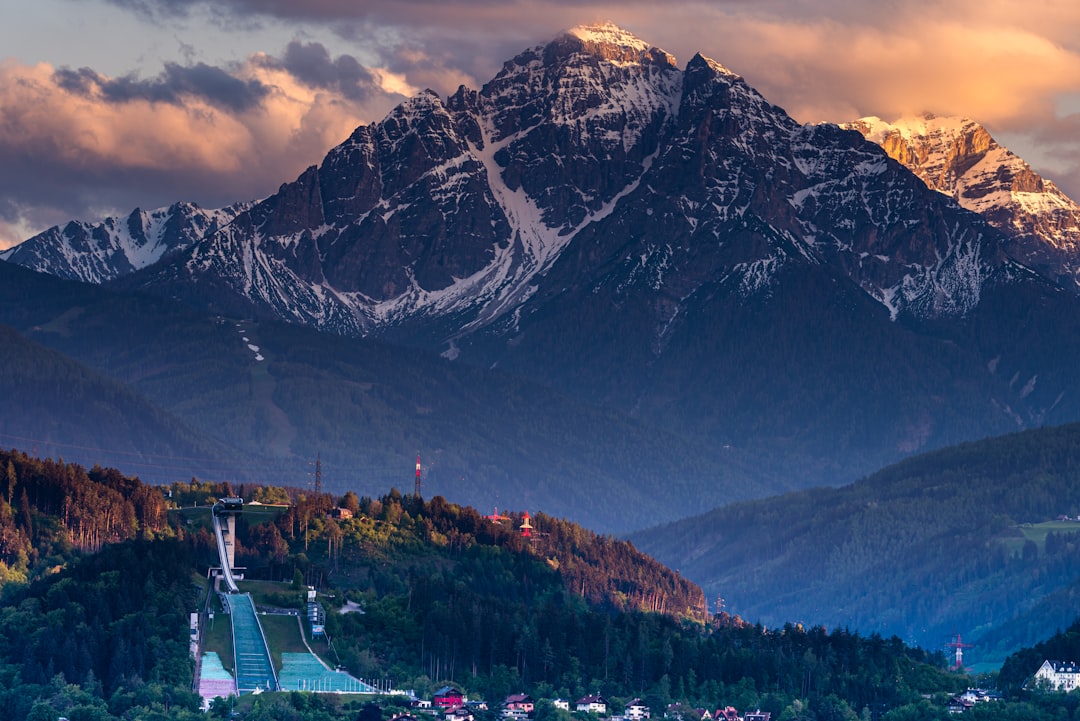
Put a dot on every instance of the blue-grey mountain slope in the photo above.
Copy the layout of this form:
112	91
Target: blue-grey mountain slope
663	242
962	540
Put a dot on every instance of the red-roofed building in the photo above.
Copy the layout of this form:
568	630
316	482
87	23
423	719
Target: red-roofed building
447	698
518	706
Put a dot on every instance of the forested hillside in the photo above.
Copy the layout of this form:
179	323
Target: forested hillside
951	541
100	575
94	618
96	591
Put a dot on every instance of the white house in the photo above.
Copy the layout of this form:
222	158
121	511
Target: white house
592	704
1058	675
636	710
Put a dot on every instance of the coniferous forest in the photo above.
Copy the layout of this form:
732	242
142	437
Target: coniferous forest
100	573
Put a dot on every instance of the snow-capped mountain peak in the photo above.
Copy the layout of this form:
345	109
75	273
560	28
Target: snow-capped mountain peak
958	157
595	152
616	45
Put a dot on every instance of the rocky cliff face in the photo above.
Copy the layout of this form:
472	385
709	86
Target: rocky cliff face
959	158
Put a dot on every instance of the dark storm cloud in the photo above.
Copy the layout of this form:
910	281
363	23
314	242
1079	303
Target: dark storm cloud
175	84
311	64
400	10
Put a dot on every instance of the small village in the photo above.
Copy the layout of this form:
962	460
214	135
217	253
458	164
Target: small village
451	704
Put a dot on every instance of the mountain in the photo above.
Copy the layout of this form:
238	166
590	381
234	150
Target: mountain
660	245
99	252
660	241
958	157
274	398
961	540
59	407
594	153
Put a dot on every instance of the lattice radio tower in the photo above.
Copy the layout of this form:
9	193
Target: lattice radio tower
318	474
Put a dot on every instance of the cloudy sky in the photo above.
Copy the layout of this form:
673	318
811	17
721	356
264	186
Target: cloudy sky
108	105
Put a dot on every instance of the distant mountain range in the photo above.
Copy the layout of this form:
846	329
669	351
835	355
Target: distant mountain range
100	252
716	301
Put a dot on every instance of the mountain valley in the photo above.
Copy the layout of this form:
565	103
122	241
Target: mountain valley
602	285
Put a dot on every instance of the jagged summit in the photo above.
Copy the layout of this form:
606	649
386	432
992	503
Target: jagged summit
617	45
958	157
114	247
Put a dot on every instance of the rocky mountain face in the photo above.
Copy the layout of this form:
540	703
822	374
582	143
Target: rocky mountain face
459	208
959	158
114	247
664	242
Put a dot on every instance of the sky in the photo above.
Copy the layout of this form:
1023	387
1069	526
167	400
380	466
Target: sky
110	105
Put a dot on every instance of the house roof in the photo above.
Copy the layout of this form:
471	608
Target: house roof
448	691
1064	666
591	699
519	698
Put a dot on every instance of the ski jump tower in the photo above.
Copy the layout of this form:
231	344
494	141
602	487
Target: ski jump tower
252	663
225	512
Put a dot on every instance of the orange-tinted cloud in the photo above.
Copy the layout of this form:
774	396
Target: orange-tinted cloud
73	143
80	145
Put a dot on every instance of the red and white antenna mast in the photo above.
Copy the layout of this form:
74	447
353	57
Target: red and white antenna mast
416	488
956	643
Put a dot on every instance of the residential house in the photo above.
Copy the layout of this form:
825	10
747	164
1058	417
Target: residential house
518	706
592	704
728	713
460	713
636	710
561	703
1057	676
758	715
447	698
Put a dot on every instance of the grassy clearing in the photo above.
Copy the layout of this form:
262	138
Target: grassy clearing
1038	532
273	594
283	636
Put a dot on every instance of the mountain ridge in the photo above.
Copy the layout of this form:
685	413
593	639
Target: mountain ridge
664	244
309	266
959	158
937	544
